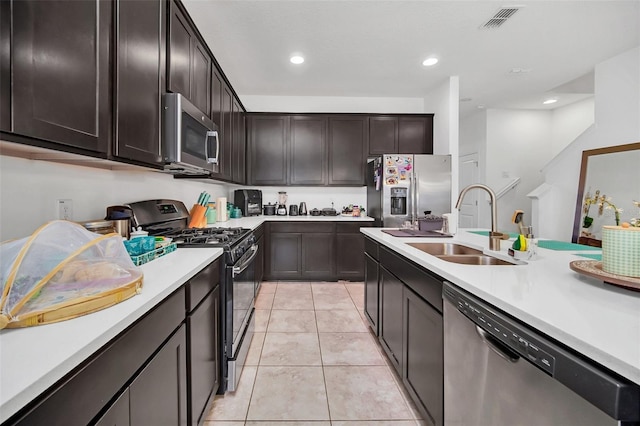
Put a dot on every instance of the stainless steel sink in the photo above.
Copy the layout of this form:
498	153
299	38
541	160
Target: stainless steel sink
440	249
474	259
457	253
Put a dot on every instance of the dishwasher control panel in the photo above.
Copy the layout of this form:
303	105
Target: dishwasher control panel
506	332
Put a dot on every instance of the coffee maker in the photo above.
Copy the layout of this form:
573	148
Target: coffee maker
281	210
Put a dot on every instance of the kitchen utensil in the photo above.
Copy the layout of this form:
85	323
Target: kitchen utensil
122	227
282	197
197	216
211	213
328	211
315	212
281	210
269	209
302	210
221	207
293	210
99	226
138	233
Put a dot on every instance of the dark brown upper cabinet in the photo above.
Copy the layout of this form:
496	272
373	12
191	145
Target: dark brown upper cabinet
308	150
348	137
239	143
61	73
189	62
383	135
401	134
268	149
415	135
140	79
5	66
225	155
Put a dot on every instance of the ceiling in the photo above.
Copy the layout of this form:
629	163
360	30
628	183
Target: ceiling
375	48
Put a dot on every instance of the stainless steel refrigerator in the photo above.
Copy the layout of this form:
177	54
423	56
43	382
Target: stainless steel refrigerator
404	187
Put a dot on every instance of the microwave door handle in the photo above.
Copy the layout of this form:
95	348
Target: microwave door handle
213	134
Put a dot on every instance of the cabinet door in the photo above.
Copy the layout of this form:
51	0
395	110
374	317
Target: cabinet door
203	331
268	159
239	143
118	413
391	301
415	135
308	145
180	52
140	79
225	157
201	77
347	150
383	135
371	292
349	256
158	395
318	258
5	66
285	255
423	361
61	72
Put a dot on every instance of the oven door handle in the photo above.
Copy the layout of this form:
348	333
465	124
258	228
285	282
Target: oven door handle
244	263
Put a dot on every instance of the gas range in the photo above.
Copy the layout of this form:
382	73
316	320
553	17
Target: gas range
169	218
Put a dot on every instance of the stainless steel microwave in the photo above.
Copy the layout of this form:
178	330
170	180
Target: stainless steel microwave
190	141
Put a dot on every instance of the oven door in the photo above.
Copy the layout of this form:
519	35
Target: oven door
239	316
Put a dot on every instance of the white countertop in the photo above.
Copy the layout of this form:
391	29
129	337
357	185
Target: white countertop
34	358
253	222
598	320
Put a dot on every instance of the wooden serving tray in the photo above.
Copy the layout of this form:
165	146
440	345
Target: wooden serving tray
593	268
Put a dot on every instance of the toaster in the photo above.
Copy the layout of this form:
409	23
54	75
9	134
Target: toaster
249	201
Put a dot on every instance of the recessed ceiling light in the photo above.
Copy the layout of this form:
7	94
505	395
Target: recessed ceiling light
296	59
430	62
550	101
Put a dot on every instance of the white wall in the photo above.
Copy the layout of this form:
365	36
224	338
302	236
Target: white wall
30	188
254	103
569	122
473	139
518	145
617	122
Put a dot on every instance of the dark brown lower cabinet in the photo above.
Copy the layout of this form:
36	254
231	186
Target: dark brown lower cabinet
158	395
118	413
423	356
371	292
318	258
391	301
349	249
410	327
285	255
314	250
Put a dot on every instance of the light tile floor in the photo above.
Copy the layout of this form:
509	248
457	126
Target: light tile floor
314	362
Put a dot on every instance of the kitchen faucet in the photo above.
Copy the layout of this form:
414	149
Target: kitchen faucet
494	235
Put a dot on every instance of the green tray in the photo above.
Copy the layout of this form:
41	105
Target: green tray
594	256
149	256
486	233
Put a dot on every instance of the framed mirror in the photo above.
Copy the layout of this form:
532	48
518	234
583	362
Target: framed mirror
609	182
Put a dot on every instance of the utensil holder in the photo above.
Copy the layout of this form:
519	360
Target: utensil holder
197	216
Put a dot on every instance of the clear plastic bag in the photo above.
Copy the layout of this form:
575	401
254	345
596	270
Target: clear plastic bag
63	271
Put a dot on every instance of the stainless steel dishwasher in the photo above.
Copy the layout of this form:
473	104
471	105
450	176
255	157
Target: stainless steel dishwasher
500	372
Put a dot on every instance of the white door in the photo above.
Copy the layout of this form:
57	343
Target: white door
468	216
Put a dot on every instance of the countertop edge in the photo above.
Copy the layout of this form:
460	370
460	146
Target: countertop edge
126	313
447	271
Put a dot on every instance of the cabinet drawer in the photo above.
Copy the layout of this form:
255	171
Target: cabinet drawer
201	284
302	227
371	248
425	284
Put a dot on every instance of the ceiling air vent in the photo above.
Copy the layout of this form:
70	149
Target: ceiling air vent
499	18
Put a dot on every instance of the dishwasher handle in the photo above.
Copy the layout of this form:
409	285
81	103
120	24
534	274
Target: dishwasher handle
498	347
